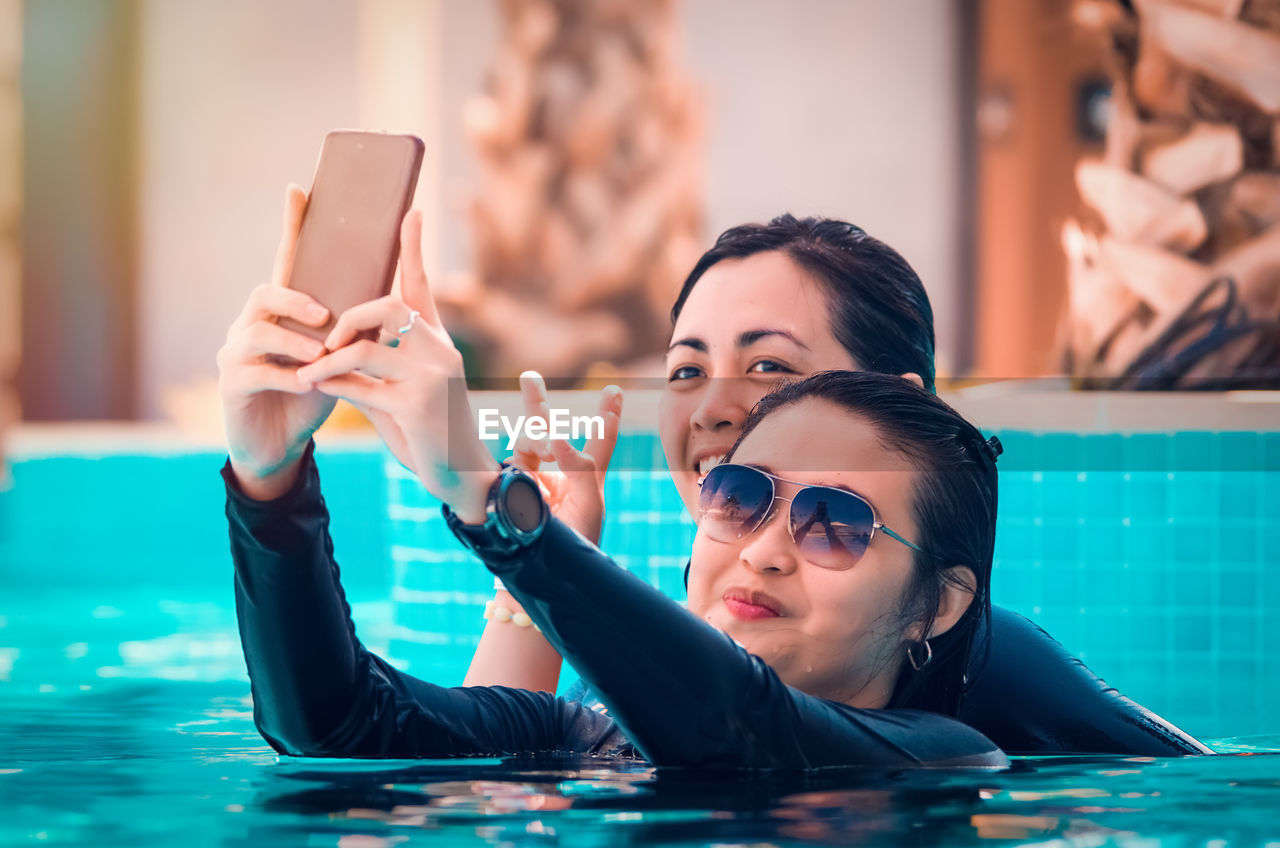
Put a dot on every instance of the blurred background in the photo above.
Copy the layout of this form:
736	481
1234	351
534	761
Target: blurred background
1066	177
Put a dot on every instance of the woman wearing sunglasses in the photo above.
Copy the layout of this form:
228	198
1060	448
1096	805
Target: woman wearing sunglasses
840	570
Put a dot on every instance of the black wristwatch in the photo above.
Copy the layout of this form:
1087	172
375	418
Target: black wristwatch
514	516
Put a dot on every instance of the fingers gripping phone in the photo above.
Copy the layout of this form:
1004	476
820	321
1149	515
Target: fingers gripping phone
349	240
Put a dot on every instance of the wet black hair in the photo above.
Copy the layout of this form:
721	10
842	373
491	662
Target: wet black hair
954	507
880	312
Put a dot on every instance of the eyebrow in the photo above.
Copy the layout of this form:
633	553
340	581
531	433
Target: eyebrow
745	339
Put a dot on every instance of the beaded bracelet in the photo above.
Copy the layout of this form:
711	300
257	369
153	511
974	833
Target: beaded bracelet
494	612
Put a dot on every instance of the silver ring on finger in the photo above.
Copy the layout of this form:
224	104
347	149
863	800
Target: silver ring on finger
408	325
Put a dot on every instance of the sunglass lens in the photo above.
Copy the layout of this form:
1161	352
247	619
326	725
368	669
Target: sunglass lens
734	501
832	528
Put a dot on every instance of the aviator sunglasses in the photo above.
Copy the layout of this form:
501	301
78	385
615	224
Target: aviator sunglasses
831	527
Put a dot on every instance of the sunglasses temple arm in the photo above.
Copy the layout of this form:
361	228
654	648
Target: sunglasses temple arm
889	532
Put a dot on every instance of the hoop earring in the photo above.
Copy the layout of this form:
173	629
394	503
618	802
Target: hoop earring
928	655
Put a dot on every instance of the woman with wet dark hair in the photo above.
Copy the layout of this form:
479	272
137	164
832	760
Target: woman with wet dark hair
954	502
878	308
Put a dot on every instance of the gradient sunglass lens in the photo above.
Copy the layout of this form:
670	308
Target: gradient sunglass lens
832	528
734	501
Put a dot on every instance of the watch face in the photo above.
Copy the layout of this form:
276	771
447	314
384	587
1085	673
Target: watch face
523	505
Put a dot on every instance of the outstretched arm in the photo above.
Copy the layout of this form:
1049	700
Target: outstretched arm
318	692
687	695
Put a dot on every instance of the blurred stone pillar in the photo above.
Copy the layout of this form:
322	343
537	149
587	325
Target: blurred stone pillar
10	218
588	215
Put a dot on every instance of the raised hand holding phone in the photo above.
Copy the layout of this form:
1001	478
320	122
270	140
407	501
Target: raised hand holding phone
338	249
269	414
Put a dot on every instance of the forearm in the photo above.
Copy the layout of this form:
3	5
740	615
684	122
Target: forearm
677	685
299	643
510	655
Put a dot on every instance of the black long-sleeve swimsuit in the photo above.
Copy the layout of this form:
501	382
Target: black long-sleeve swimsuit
678	691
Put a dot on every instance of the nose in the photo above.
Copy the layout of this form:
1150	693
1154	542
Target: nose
722	405
771	549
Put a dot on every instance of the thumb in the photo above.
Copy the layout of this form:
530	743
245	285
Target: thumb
415	291
295	206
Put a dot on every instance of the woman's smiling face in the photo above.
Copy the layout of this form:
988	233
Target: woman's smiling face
838	634
747	323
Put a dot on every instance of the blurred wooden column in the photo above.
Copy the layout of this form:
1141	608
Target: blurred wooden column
1032	62
10	207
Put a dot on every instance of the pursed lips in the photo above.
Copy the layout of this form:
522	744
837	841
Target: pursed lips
751	603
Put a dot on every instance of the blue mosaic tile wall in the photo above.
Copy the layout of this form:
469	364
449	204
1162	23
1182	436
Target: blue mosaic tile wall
123	520
1154	557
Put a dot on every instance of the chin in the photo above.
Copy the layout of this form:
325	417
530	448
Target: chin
746	637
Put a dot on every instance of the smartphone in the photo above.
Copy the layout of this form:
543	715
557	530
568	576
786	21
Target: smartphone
349	240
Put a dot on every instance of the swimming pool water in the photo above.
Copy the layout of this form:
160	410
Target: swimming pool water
122	747
125	716
109	741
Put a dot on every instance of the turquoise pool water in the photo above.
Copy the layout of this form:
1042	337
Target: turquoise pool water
125	715
114	740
